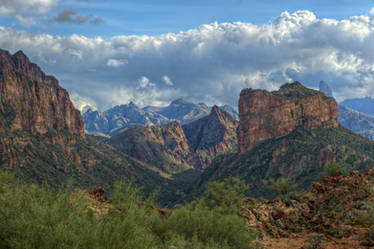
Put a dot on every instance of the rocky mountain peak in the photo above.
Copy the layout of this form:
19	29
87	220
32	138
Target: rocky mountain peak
220	114
266	115
324	87
32	101
211	135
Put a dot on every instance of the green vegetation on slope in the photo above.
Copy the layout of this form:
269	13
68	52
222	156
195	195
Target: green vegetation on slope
88	162
300	155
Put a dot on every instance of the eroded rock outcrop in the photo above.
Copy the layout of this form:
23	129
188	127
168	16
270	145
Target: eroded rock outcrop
265	115
210	136
172	147
163	146
33	101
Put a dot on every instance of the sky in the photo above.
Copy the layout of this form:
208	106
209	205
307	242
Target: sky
110	52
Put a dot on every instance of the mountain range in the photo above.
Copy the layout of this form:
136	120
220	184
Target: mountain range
359	122
42	137
122	117
292	132
174	147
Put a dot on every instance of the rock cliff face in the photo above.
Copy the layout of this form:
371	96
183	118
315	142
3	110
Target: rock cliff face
173	147
32	101
211	136
163	146
42	135
266	115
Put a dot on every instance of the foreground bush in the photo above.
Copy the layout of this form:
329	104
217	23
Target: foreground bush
33	216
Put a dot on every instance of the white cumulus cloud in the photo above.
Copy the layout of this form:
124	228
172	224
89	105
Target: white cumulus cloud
211	63
11	7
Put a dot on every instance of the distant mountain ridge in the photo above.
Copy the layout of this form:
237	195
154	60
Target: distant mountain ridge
121	117
358	122
173	147
363	105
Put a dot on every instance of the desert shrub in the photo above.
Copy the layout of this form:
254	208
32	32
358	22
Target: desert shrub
207	226
211	222
367	219
226	194
331	169
34	216
284	188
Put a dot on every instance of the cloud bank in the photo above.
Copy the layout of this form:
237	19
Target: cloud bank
211	63
20	7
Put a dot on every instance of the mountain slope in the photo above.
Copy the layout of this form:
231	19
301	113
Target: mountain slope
363	105
211	136
357	122
164	146
173	147
42	136
308	142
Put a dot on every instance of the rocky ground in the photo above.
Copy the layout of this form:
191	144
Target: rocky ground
329	216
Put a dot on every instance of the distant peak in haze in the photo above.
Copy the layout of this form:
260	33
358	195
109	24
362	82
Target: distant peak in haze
324	87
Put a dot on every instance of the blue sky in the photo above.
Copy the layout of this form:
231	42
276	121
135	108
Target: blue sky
107	53
145	17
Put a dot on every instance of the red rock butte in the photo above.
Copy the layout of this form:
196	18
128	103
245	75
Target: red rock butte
33	101
265	115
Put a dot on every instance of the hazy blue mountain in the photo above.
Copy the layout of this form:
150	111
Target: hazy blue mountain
357	122
185	111
122	117
119	118
324	87
364	105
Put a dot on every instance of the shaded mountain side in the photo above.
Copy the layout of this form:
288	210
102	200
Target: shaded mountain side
301	154
357	122
164	146
54	160
230	110
173	147
211	136
42	135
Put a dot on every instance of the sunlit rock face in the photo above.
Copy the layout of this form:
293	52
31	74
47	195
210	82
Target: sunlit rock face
265	115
